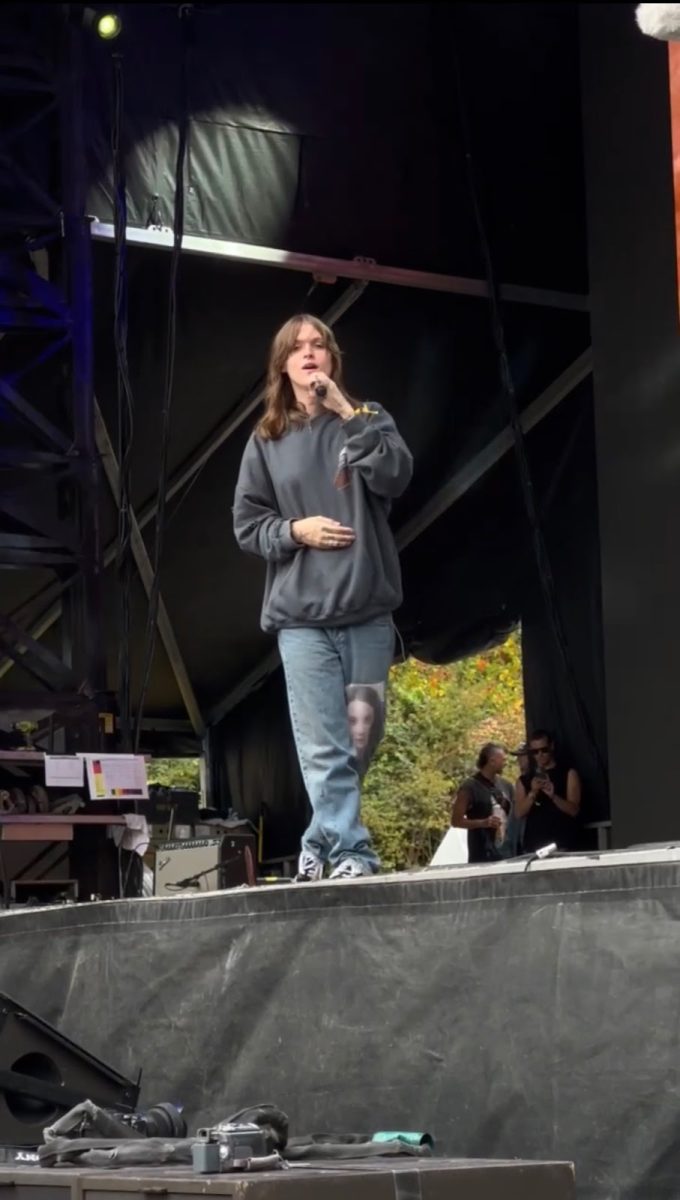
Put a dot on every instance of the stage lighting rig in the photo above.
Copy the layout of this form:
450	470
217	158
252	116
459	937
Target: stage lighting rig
106	25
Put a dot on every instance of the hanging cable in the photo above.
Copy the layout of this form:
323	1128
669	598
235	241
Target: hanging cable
125	408
542	557
185	18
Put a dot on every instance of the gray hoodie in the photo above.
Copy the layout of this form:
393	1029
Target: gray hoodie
346	470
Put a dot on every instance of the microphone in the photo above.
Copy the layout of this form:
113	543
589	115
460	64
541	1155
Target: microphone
540	854
192	879
546	851
320	391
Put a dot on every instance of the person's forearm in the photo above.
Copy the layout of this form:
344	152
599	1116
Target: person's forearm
265	534
566	806
346	410
522	807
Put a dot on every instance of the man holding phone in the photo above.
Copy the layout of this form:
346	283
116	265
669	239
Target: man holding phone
548	798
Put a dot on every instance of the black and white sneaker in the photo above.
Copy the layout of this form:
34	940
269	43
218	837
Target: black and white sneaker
351	868
310	868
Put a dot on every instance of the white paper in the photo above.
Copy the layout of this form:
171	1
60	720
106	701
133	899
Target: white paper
116	776
64	770
452	850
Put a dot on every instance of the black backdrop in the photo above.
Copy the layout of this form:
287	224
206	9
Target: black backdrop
338	131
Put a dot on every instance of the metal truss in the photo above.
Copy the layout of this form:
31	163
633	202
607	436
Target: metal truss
50	497
364	270
49	473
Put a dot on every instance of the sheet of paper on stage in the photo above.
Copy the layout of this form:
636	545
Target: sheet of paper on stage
64	770
117	776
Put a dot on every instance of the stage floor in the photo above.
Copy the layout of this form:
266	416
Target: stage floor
511	1012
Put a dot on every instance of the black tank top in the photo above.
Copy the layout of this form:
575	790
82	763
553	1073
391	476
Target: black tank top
545	822
482	842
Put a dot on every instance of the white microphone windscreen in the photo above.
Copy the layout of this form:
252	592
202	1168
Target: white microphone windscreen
660	21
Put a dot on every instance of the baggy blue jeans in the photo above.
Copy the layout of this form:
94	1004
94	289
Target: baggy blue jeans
336	681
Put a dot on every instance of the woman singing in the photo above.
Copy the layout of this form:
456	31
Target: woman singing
313	499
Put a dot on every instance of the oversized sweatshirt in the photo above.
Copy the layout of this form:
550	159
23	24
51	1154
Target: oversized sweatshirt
349	471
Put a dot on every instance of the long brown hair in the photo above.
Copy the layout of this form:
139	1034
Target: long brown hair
281	410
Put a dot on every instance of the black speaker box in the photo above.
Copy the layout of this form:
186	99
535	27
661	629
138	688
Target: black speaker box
43	1075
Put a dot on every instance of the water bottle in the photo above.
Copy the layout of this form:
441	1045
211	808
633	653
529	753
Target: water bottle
497	810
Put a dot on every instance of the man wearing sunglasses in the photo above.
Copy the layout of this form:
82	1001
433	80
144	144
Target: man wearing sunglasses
548	798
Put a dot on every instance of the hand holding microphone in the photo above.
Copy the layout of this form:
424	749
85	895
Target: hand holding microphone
329	395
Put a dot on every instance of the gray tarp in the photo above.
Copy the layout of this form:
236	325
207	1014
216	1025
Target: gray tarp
532	1015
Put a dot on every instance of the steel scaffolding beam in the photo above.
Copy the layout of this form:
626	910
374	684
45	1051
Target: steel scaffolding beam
49	507
88	636
145	569
365	270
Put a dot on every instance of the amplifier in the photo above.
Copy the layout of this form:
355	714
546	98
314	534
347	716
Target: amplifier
185	868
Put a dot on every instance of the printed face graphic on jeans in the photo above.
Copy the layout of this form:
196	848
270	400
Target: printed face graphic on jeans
366	716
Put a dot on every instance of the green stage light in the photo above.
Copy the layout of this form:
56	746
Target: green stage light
108	26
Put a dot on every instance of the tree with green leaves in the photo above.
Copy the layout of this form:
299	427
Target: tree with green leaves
175	773
437	718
